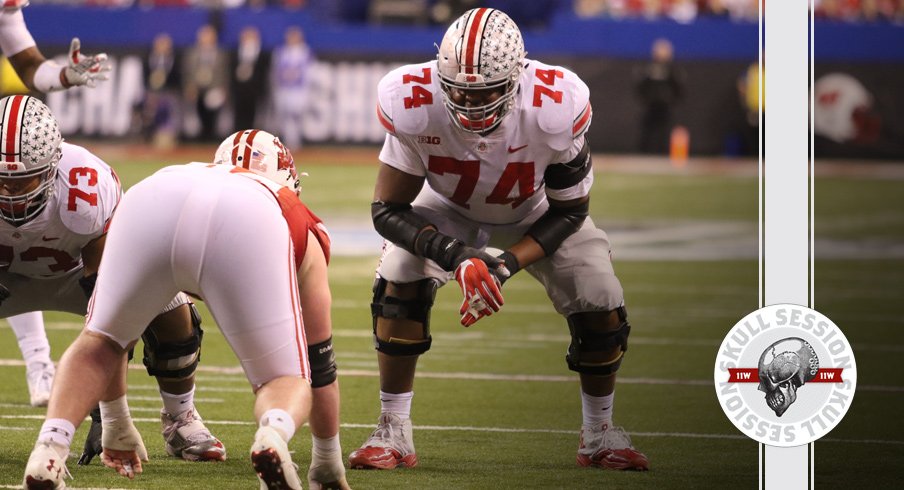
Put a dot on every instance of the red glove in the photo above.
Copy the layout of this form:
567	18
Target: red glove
480	289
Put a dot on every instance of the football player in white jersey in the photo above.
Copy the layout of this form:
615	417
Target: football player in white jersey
36	72
189	228
43	75
500	141
56	202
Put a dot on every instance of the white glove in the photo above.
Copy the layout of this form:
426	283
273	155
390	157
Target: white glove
85	69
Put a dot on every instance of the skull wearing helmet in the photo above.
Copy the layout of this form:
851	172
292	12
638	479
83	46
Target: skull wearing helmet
479	61
261	153
30	149
784	367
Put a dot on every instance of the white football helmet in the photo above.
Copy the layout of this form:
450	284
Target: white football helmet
481	50
30	149
261	153
13	5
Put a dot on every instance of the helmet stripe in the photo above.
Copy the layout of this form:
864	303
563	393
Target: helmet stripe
246	162
235	147
12	128
474	32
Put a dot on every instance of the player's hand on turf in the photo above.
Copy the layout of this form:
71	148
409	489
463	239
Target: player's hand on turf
126	463
93	445
480	288
85	69
123	448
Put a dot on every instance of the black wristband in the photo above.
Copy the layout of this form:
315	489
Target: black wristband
511	262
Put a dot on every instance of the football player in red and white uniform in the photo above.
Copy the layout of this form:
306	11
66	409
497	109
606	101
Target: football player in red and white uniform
37	72
500	142
235	234
56	201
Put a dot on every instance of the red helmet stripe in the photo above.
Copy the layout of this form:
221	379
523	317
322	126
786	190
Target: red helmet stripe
474	32
12	128
246	162
235	146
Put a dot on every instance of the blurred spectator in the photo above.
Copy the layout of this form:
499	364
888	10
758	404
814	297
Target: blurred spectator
683	11
291	62
205	69
161	111
751	104
444	12
250	83
660	86
398	12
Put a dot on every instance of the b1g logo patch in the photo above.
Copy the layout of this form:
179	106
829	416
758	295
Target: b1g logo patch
785	375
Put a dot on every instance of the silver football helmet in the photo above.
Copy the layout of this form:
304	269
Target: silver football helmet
30	150
481	56
261	153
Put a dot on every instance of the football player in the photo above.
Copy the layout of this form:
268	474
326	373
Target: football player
500	141
36	72
43	75
56	202
235	234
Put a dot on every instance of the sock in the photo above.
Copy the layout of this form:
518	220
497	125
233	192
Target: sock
597	409
29	330
281	421
397	403
177	404
57	431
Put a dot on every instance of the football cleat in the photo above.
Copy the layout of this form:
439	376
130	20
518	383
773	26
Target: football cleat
46	468
187	437
609	447
272	462
40	380
390	446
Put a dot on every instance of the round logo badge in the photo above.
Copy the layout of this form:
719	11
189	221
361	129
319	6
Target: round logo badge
785	375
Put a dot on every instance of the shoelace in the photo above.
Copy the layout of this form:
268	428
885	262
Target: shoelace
616	438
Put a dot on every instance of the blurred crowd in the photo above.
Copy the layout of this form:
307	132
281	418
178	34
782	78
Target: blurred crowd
533	13
205	91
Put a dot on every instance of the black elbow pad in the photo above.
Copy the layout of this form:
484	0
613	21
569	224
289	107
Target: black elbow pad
398	223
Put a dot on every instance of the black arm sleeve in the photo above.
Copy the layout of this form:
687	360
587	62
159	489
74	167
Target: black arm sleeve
565	175
557	224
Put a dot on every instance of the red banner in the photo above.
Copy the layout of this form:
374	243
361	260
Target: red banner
752	375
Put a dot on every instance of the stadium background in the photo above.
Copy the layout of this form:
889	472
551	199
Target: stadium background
684	291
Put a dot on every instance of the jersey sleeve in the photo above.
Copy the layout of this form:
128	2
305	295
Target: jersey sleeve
90	192
401	113
564	112
14	35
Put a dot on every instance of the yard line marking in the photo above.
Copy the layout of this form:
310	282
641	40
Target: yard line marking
535	337
513	430
545	378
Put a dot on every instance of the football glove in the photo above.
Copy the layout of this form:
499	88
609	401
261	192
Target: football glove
85	69
93	445
480	288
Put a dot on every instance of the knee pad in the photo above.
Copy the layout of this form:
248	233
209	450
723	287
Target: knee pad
594	333
323	363
174	360
417	309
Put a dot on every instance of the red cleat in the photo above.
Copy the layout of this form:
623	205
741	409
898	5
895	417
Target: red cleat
610	448
390	446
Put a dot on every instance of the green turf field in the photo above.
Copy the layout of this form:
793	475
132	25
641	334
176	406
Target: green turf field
495	405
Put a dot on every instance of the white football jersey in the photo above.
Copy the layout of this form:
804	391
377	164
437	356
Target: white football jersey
79	210
14	36
497	178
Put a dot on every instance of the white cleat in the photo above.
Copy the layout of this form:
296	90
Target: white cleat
187	437
327	473
272	462
390	446
40	381
46	468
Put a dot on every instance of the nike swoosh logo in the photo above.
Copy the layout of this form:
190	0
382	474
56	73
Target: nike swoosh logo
513	150
45	239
